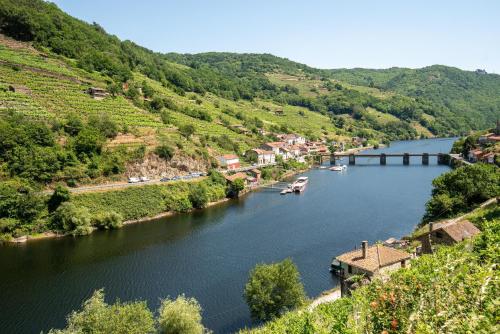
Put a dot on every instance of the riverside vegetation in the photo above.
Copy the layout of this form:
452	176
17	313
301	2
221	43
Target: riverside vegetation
453	290
172	108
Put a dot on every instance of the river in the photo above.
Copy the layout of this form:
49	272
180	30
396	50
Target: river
208	254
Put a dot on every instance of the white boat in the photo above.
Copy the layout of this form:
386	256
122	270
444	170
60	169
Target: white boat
338	168
300	184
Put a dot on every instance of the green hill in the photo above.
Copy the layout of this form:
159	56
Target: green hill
470	99
203	105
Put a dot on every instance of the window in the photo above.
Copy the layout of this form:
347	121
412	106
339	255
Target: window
349	269
439	235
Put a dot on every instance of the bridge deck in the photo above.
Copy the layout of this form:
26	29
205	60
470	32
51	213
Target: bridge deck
375	155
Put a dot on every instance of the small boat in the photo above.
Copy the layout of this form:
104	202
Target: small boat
338	168
286	191
300	185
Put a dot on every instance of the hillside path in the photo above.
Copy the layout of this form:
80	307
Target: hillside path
330	297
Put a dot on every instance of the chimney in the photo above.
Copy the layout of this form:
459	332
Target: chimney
364	248
431	225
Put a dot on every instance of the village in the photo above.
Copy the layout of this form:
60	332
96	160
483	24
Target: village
288	147
486	148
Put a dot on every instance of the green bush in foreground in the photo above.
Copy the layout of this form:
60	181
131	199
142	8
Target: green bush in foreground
98	317
179	316
274	289
182	315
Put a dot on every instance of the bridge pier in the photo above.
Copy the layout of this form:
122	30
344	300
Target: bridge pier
352	159
383	159
443	159
425	159
406	159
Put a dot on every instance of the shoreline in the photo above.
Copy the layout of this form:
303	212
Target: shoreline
51	234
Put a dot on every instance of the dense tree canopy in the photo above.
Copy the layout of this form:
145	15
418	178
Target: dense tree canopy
461	190
273	289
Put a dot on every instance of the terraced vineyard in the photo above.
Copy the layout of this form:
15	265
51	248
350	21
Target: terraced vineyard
56	97
52	87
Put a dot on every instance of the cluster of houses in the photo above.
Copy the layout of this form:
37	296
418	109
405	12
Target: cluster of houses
483	153
288	146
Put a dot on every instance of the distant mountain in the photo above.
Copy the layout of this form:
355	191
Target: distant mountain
473	97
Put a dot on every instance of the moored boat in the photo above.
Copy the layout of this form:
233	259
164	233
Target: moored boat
300	184
338	168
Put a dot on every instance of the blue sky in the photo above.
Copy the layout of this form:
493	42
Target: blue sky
320	33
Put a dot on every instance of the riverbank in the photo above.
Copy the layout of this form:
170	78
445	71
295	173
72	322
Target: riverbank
97	197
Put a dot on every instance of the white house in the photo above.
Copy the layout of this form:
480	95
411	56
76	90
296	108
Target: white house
292	139
273	146
230	161
261	157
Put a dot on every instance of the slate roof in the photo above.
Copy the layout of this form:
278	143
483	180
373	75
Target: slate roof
457	230
378	256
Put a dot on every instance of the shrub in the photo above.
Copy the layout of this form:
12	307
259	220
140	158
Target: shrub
104	124
235	187
216	177
8	225
166	118
274	289
198	195
107	220
70	218
165	151
88	141
182	315
187	130
18	200
98	317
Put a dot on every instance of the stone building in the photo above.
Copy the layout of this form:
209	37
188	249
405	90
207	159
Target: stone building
446	233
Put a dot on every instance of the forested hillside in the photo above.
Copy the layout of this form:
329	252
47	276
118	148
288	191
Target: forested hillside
469	97
195	107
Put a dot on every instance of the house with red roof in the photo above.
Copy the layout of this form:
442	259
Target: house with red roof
230	161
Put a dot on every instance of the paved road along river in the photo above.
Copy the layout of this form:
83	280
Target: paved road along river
208	254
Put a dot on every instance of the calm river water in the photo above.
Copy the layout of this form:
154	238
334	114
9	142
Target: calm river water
208	254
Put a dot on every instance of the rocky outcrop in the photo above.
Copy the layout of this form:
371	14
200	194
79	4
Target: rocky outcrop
153	166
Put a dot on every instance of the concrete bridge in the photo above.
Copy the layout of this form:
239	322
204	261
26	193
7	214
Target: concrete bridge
442	158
